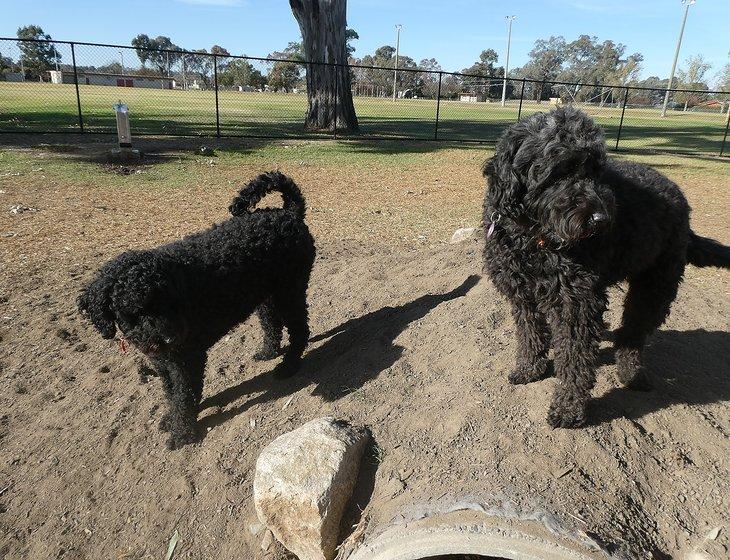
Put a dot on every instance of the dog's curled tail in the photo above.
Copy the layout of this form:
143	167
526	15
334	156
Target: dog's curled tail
703	251
249	196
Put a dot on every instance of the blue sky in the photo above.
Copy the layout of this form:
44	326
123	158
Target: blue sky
452	31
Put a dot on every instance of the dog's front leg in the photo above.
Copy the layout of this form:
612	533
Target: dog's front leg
182	378
533	342
577	329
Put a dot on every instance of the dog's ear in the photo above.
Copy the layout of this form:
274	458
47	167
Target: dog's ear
95	301
506	189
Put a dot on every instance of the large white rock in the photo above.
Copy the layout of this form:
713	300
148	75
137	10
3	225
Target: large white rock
303	481
462	234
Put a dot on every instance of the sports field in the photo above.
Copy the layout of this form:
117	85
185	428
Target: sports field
53	108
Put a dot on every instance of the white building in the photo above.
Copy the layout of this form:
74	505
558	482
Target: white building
110	79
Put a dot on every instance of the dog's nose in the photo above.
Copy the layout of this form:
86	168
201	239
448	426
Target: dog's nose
598	217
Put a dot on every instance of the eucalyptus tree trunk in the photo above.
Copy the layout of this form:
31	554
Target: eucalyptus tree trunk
323	24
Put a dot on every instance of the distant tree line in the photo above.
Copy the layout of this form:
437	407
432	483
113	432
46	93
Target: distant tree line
600	69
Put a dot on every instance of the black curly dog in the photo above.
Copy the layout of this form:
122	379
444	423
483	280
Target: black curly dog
175	301
564	222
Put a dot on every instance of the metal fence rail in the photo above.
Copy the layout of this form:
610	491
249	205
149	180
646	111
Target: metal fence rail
187	93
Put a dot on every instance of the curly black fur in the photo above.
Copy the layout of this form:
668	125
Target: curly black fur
564	223
175	301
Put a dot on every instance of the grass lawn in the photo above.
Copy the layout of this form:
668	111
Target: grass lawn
52	107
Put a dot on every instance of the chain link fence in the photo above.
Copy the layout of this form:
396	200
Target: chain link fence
57	86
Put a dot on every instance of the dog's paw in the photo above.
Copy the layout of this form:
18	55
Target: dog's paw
286	369
640	382
629	370
178	440
521	376
266	353
560	416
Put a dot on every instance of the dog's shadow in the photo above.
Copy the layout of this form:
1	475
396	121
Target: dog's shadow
353	353
684	367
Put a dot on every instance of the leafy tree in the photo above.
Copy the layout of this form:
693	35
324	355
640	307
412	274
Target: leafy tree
692	78
381	78
485	67
649	97
154	52
580	58
545	64
200	63
222	56
144	47
723	83
723	78
240	72
283	75
6	64
36	58
323	27
350	36
427	82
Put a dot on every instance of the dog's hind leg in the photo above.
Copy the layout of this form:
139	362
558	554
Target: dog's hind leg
646	307
533	343
292	306
182	380
577	330
272	326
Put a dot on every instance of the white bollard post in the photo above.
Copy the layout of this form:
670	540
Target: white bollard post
123	131
125	152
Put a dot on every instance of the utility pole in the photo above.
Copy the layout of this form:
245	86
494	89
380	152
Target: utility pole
397	51
687	4
509	20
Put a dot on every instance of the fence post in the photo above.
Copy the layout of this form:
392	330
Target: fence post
337	90
724	138
217	112
438	108
621	123
522	96
76	81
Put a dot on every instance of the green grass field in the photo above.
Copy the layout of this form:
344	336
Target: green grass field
53	108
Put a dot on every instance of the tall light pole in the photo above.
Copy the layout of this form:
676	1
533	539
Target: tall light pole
397	51
121	55
509	20
687	4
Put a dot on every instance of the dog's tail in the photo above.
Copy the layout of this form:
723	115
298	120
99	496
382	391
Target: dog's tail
249	196
703	251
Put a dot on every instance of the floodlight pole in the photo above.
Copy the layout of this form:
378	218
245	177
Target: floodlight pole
687	4
509	20
121	55
397	51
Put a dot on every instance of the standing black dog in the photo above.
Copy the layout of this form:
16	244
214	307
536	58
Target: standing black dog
175	301
563	223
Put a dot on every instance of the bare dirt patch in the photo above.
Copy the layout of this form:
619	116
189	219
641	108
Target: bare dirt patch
406	339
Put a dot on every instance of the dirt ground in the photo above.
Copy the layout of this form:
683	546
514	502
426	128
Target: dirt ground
407	339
